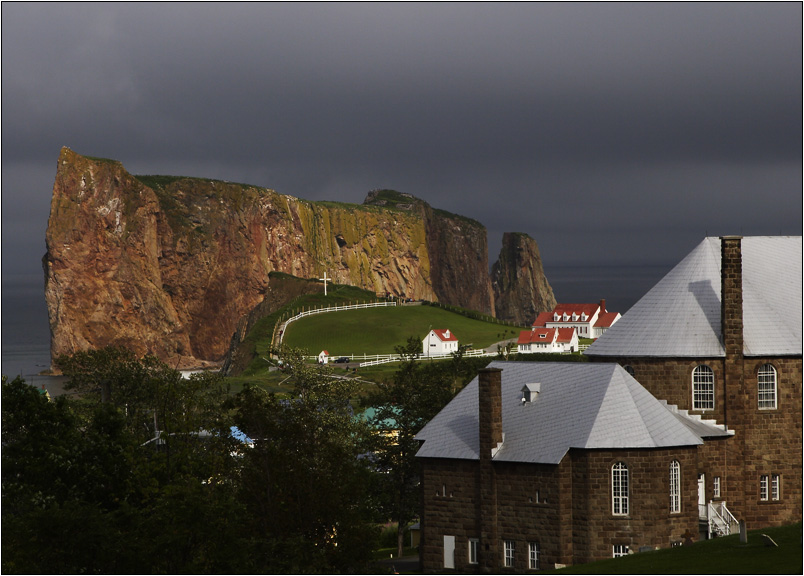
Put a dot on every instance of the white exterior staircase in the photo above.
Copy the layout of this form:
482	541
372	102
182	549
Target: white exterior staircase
721	522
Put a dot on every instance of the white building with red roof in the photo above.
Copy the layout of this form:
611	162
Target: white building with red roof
590	320
438	342
541	340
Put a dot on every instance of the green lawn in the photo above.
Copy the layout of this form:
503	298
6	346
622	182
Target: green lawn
380	330
717	556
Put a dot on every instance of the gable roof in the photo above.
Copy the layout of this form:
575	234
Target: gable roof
583	405
445	335
606	319
588	309
565	334
680	315
542	319
536	335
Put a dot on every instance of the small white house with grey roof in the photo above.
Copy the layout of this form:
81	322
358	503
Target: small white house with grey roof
531	459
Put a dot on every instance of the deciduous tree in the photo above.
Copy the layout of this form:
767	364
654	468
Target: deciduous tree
402	408
306	479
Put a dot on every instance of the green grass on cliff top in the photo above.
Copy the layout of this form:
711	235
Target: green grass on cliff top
380	330
718	556
392	198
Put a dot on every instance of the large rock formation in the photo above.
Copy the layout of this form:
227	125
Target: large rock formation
169	265
521	290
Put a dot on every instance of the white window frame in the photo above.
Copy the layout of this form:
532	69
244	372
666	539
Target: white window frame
703	388
510	548
766	387
619	489
619	550
775	487
534	556
675	487
763	487
473	545
716	487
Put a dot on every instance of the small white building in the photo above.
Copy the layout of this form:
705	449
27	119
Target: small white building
439	342
540	340
323	357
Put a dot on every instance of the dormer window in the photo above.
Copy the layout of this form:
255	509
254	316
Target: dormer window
584	317
530	392
566	316
574	317
556	317
542	335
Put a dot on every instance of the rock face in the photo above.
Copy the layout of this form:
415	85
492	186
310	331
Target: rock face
170	266
521	290
457	249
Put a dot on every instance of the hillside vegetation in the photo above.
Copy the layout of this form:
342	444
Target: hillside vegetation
257	342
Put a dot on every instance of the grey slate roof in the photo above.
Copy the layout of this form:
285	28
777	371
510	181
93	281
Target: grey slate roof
580	405
680	315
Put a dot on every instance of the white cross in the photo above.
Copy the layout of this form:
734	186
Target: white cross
325	282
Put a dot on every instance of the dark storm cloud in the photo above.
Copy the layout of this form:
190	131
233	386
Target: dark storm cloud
608	132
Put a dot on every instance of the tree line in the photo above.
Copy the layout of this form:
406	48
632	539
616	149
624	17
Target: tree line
138	470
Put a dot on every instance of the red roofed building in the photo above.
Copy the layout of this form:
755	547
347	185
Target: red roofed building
540	340
590	320
439	342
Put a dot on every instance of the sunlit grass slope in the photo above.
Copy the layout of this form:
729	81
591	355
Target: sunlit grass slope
380	330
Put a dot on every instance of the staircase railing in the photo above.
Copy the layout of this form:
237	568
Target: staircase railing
721	521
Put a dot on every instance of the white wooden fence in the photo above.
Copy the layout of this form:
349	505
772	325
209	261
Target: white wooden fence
283	327
397	358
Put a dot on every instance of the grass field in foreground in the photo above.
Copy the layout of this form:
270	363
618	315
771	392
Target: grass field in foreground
718	556
380	330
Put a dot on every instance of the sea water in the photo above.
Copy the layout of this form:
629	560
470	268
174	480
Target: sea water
24	330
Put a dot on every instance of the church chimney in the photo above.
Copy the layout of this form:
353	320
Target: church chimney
602	305
490	429
731	294
731	321
490	406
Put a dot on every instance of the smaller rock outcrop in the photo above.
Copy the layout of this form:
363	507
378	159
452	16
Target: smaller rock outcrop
521	290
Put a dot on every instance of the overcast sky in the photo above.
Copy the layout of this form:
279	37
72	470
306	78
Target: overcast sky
613	134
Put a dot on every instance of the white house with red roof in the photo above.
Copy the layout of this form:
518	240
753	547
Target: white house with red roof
590	320
541	340
438	342
323	357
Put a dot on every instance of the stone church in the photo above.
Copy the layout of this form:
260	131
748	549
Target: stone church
687	420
